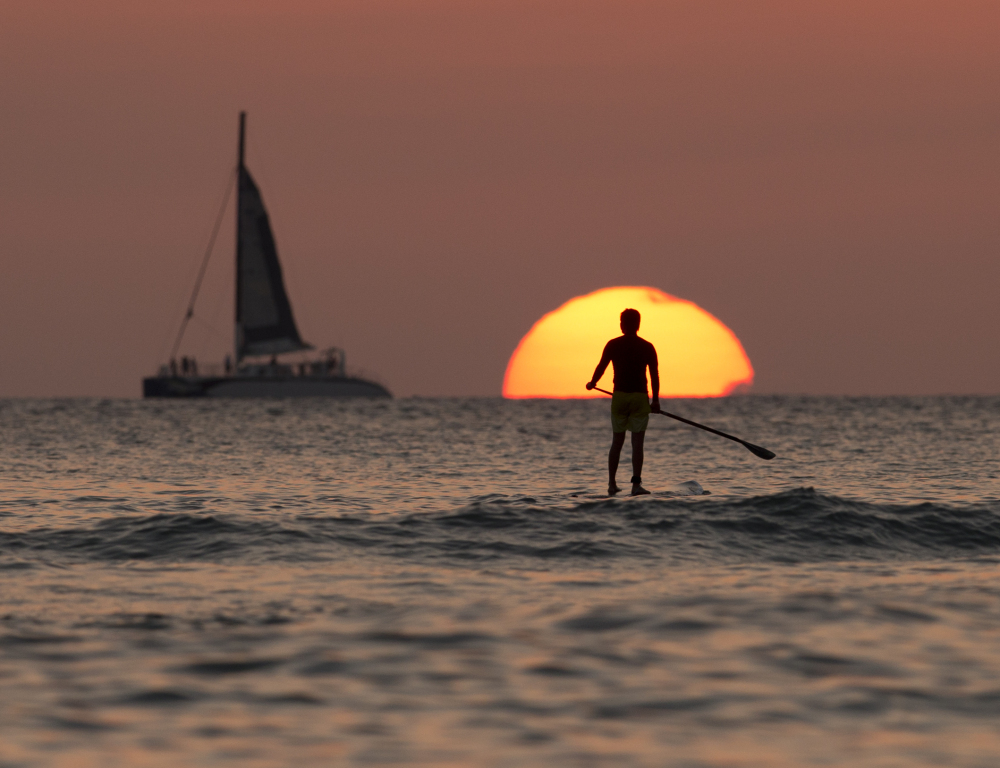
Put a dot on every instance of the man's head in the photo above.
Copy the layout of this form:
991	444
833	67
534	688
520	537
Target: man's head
630	321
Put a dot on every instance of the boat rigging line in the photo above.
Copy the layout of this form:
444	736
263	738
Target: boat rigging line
204	266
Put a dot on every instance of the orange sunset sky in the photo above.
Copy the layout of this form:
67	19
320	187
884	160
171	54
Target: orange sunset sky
822	177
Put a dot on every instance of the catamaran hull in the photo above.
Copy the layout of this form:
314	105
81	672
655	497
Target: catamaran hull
269	386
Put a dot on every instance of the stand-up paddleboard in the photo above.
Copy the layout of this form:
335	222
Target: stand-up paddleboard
687	488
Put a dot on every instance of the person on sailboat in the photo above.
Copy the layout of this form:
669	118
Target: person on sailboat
630	355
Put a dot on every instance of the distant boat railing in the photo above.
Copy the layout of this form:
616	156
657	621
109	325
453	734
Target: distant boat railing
325	369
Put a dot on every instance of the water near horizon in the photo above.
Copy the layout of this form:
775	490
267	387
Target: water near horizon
439	582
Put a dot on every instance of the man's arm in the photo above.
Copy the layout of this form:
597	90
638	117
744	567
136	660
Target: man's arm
654	379
601	367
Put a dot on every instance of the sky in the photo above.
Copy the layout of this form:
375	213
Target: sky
823	177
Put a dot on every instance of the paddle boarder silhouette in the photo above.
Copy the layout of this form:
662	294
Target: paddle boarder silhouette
629	355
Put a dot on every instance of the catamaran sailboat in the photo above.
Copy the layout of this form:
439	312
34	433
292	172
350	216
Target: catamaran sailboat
265	327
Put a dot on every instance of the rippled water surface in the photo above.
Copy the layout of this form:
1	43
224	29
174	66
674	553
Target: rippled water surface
441	583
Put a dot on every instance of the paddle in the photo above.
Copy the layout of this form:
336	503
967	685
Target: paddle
756	450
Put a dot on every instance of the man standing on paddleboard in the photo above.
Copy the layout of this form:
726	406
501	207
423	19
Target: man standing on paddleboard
630	406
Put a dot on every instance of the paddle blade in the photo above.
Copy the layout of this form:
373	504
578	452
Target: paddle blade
756	450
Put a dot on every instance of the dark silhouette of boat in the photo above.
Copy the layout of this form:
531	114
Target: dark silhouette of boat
265	327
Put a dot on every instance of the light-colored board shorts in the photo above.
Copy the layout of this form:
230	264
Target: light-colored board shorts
629	411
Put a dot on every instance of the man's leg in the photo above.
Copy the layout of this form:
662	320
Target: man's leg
637	440
617	441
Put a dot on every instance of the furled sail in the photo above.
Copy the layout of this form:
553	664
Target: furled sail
264	322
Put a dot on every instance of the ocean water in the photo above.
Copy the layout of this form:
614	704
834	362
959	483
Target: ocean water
441	583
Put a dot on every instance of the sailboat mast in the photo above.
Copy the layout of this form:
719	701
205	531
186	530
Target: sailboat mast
239	243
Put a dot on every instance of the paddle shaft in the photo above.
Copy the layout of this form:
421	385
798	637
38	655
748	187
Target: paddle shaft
756	450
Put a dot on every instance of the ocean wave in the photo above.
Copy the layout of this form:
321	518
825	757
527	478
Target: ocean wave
800	525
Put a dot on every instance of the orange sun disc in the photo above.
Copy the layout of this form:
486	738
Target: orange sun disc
699	356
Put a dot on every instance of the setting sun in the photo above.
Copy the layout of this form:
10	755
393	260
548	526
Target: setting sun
699	356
